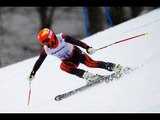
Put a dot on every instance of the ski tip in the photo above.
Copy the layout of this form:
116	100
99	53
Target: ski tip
57	98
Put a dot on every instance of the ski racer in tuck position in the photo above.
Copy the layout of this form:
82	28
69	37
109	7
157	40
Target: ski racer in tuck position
65	48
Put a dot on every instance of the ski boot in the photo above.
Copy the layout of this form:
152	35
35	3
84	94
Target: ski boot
113	67
90	77
120	70
117	68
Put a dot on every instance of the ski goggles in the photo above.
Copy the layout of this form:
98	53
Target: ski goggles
49	42
46	41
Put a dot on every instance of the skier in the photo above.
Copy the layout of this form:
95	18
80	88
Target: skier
64	47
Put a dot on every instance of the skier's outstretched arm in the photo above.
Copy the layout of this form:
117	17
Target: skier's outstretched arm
37	65
74	41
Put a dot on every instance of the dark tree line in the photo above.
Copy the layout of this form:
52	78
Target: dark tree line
96	16
118	15
46	16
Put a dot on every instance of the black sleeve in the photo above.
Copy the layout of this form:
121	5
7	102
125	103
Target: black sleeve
74	41
40	60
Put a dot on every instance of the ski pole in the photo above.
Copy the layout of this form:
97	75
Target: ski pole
29	95
122	41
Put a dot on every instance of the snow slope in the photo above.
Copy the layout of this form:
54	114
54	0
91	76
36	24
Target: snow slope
138	92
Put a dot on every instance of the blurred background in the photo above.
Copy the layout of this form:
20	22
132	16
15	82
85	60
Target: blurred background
19	26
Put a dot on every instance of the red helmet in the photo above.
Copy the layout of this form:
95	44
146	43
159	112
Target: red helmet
44	34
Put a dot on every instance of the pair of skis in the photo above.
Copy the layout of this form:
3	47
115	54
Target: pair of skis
107	78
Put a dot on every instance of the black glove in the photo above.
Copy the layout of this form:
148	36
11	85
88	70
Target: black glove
32	75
